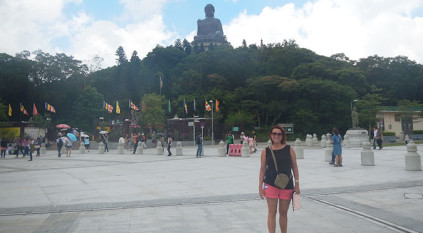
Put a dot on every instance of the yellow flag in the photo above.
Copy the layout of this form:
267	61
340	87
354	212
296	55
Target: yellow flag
10	110
117	107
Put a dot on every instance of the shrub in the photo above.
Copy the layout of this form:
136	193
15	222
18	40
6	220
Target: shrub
388	133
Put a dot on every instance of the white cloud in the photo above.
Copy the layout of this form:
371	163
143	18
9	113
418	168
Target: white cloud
358	28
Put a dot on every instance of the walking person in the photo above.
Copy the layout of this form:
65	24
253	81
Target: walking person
105	140
374	137
379	137
30	148
3	147
37	146
154	139
59	143
199	142
337	147
278	198
169	145
255	140
136	139
143	141
87	143
68	145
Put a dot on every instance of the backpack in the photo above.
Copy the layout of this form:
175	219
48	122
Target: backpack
198	140
60	142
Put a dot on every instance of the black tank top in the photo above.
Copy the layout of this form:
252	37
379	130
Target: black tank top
283	159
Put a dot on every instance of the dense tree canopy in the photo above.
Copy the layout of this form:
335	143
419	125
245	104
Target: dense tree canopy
256	86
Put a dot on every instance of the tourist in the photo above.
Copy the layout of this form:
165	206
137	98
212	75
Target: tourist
229	140
337	147
255	141
278	199
143	141
153	139
37	146
379	137
136	139
250	141
169	144
374	137
59	143
68	145
199	142
3	147
87	143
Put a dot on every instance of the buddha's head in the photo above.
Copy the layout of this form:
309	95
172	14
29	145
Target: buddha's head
209	10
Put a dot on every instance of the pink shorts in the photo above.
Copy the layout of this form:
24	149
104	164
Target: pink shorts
275	193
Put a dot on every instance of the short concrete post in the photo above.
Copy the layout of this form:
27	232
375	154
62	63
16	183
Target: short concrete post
323	141
81	148
159	149
43	149
101	148
299	151
309	140
347	142
179	150
315	140
245	151
140	149
221	149
120	148
367	155
412	158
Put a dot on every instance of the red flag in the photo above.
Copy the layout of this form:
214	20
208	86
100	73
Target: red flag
34	110
217	105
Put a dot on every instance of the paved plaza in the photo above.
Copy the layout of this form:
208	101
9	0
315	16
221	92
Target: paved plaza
130	193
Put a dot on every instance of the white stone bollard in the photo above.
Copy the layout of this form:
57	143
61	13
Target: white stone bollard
120	148
347	142
140	149
367	155
412	158
309	140
323	141
315	140
101	148
245	151
159	149
221	149
299	151
43	149
81	148
179	150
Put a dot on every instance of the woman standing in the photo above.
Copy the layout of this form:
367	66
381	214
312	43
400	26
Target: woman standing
337	147
278	199
169	145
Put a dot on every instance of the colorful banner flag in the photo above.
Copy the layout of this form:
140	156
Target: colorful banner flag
132	106
108	107
10	110
195	109
23	110
49	107
169	107
208	108
117	107
185	106
217	105
34	110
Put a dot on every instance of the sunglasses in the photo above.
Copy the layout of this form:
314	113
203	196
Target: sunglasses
276	134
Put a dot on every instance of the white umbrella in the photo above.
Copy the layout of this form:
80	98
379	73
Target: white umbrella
103	132
84	135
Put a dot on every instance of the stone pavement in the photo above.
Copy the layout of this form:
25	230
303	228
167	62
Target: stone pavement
156	193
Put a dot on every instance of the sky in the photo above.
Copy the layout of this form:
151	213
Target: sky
86	29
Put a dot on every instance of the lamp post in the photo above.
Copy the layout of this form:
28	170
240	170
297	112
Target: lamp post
212	133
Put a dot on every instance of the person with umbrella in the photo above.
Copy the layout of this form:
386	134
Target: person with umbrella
68	143
59	142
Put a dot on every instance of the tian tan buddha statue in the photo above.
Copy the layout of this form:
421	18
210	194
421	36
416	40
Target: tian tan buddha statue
210	28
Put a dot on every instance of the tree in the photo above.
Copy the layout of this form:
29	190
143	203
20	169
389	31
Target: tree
409	111
134	58
121	56
153	112
240	118
187	47
368	106
87	109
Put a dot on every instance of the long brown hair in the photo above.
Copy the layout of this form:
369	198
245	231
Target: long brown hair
283	140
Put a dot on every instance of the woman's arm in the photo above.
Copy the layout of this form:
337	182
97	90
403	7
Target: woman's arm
261	173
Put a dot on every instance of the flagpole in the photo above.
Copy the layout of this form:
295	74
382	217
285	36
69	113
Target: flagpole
212	133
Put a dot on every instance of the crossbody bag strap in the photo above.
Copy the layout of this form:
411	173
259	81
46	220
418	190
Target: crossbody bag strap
274	159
